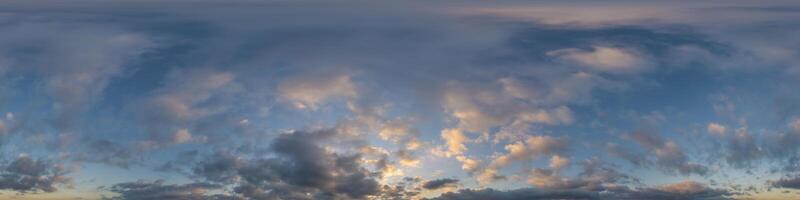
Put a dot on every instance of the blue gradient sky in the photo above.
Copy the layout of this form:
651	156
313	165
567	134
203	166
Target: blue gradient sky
185	99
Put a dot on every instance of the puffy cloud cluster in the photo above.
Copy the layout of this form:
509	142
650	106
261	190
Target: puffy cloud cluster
508	102
454	142
534	147
300	169
25	174
531	149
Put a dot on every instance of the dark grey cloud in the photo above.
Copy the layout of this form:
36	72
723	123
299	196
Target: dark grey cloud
25	175
221	167
440	183
687	190
787	182
301	169
149	190
518	194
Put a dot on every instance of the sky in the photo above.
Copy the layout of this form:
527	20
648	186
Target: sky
384	100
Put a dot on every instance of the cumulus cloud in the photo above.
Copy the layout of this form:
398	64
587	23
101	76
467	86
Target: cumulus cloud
302	169
25	174
470	165
479	108
716	129
221	167
454	139
534	147
181	136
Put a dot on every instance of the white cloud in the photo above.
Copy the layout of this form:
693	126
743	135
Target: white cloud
717	129
532	148
488	176
602	58
181	136
308	92
558	163
469	165
454	139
